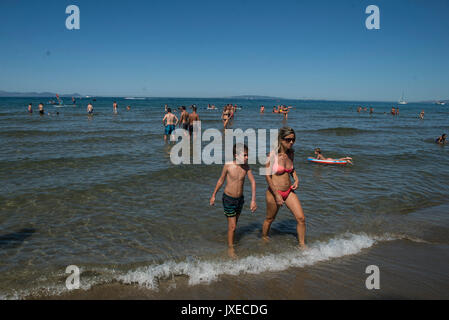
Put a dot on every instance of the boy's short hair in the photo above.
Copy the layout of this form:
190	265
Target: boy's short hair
239	146
168	109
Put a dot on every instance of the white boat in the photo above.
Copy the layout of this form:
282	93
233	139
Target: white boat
440	103
402	101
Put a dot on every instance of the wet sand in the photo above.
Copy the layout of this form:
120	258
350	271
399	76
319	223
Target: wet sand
408	270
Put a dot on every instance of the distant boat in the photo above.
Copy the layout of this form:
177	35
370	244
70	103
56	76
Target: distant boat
440	103
402	101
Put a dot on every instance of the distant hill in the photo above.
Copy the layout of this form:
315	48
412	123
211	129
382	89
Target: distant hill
36	94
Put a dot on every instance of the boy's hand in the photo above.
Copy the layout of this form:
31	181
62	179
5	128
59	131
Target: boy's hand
253	206
212	201
295	185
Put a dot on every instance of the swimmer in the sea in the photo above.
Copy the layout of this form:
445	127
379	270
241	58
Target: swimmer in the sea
441	139
319	156
90	108
421	115
30	108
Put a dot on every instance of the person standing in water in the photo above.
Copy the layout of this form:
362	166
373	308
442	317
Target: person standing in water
262	109
421	115
234	173
280	188
114	107
226	116
184	119
41	109
170	121
193	117
90	109
30	108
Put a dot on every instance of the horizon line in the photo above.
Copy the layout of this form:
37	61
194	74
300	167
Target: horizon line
257	97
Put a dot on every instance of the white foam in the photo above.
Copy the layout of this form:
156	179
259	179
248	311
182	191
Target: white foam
200	271
207	271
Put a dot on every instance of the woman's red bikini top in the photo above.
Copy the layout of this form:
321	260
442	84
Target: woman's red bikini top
277	169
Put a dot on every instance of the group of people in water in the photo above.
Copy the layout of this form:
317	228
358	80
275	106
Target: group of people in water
282	109
185	121
360	109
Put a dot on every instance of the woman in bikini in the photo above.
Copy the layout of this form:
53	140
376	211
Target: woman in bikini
226	116
280	189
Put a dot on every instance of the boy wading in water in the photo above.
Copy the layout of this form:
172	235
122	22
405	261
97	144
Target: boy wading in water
235	173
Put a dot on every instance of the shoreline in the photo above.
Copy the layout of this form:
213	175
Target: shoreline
419	273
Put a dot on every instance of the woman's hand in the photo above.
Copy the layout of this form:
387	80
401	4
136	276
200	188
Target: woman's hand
295	185
278	198
212	200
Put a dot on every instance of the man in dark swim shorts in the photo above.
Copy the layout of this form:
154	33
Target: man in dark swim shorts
184	119
193	117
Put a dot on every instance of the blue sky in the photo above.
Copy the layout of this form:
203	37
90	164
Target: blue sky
292	49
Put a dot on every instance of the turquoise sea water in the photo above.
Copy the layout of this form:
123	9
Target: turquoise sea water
101	193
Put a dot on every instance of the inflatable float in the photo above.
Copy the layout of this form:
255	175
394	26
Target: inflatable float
328	161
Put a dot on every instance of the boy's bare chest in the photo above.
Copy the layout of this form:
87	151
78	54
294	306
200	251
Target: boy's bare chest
237	173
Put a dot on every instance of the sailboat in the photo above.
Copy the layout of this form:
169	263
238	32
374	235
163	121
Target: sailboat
402	101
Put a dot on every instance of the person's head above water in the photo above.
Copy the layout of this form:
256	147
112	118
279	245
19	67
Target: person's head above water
318	150
286	138
240	152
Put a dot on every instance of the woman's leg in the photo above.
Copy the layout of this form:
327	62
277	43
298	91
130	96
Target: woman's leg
294	205
272	210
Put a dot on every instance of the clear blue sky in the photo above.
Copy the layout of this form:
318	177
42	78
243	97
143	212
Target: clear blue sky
292	49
